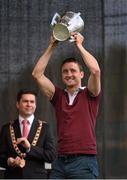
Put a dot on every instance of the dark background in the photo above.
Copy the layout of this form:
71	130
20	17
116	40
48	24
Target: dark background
24	35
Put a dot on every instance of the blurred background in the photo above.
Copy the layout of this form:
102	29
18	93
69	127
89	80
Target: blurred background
24	35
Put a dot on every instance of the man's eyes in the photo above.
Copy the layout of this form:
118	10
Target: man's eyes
72	70
29	101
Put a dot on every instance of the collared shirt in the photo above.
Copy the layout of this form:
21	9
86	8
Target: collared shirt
30	119
76	123
72	96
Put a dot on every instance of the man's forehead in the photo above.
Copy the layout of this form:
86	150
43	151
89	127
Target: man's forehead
69	64
28	96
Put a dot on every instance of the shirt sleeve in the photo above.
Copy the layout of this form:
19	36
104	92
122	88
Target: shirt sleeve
56	96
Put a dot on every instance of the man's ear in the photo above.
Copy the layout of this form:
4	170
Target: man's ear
82	74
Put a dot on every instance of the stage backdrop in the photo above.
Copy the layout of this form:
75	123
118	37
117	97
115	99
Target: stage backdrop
24	35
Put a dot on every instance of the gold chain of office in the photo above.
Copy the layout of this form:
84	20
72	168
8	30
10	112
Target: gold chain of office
34	142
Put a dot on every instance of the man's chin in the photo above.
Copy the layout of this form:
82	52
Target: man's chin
29	114
70	85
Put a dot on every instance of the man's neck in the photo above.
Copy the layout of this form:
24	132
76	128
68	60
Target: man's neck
26	116
71	90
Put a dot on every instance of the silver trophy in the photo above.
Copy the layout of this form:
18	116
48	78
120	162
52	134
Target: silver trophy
63	26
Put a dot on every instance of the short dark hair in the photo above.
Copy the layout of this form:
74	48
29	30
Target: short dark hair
25	91
68	60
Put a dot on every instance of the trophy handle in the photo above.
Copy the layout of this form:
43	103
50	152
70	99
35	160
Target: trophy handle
72	21
56	18
71	39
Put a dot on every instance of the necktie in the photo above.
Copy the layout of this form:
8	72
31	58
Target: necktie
25	128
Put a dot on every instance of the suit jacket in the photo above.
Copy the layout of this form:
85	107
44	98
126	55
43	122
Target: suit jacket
44	151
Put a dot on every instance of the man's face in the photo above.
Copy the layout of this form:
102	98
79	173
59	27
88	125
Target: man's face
71	75
27	105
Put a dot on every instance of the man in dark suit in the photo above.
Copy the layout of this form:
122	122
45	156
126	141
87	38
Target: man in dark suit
24	148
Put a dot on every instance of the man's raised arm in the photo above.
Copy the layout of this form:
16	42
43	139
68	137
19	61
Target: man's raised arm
46	86
94	84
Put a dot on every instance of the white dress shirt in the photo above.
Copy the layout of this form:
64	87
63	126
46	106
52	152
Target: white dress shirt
30	119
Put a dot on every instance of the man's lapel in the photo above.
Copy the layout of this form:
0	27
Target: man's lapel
33	130
17	130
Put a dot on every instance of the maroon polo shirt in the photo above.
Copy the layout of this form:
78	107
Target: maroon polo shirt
76	122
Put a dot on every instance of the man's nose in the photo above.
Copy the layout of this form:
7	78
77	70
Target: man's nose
28	103
69	73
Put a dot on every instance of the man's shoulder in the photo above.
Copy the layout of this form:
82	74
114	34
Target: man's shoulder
43	123
5	127
57	88
8	123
